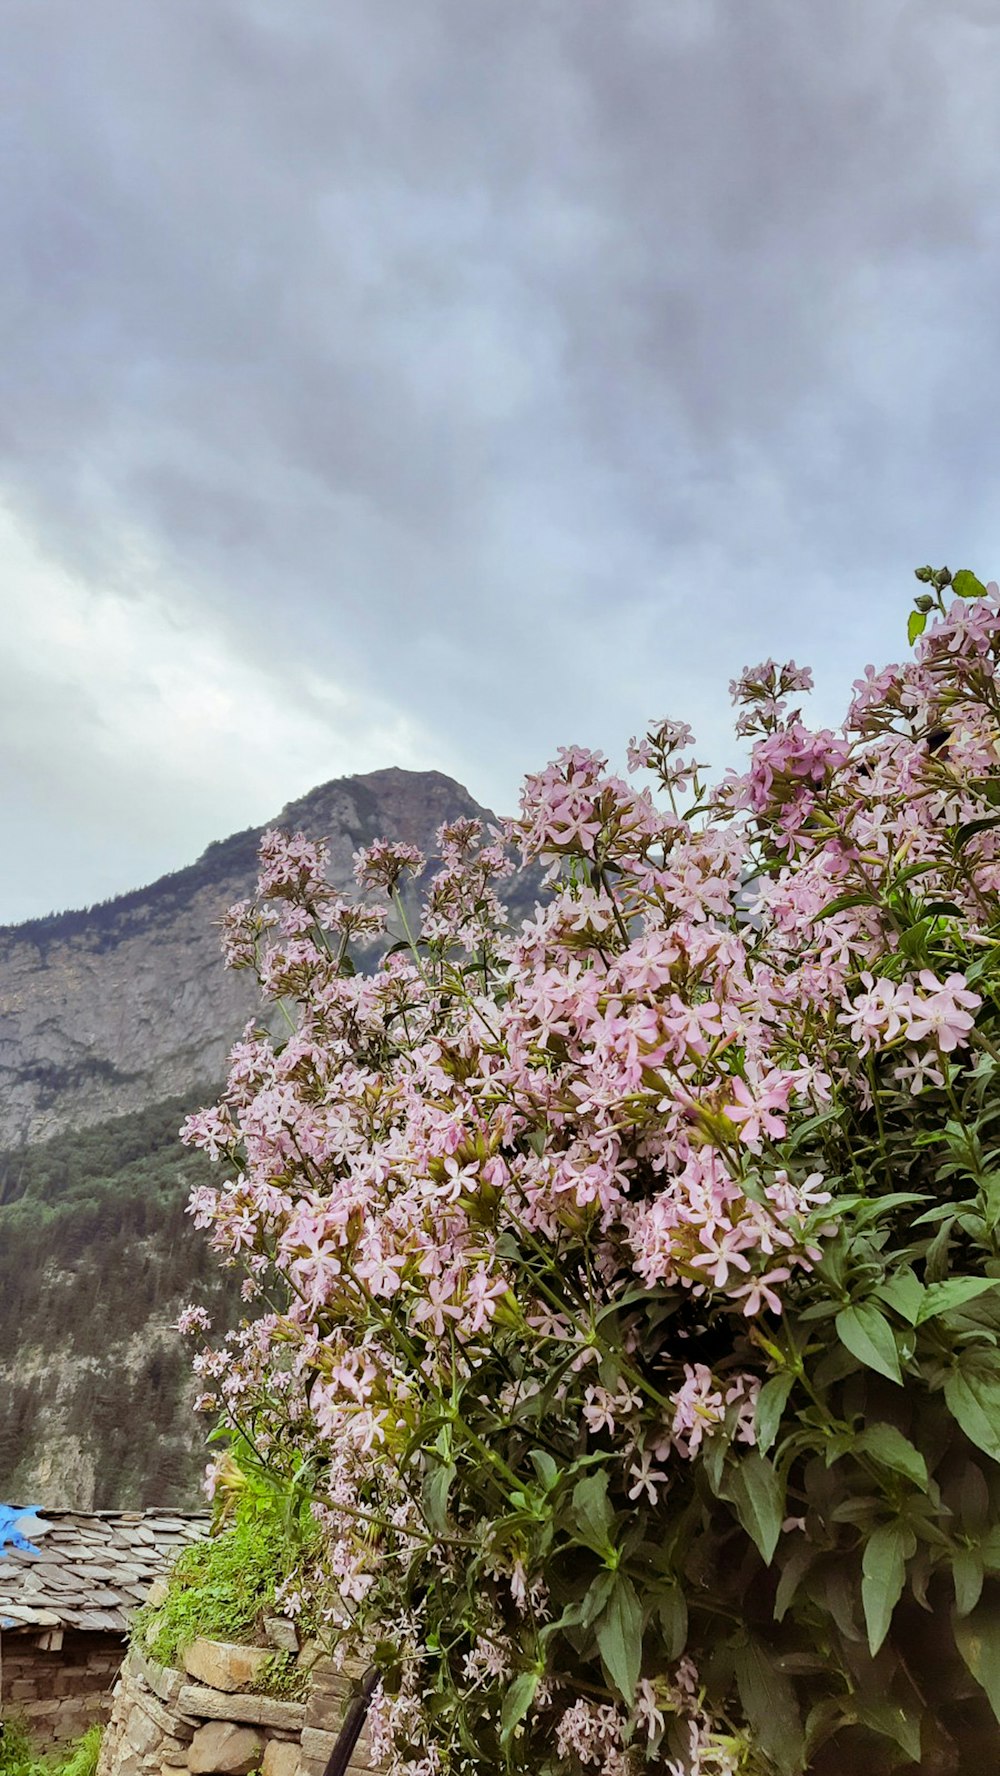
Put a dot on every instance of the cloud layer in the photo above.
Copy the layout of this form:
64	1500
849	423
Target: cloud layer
435	385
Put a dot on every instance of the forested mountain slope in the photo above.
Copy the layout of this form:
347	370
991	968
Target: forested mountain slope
97	1256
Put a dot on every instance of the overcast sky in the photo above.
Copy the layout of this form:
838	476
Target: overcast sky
437	383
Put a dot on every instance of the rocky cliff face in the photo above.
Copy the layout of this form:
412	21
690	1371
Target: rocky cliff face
108	1010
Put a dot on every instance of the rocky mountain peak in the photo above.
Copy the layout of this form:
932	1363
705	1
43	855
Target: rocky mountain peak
112	1007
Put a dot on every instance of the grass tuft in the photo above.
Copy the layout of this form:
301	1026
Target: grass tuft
18	1757
282	1676
221	1588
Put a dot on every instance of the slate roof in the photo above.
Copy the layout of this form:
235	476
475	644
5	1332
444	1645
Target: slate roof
92	1568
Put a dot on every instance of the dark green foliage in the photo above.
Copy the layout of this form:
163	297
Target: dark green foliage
139	1429
69	1164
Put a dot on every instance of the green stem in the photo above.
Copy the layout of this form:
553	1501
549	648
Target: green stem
397	900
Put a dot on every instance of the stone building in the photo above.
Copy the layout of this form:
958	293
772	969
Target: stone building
64	1609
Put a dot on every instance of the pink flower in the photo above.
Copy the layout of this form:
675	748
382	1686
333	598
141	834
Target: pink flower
481	1296
193	1319
645	1478
381	864
879	1014
698	1409
724	1253
380	1272
759	1292
649	1717
758	1111
439	1305
945	1014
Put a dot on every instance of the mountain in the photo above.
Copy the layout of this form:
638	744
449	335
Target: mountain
114	1008
114	1022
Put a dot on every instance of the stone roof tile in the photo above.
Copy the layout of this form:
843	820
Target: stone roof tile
93	1568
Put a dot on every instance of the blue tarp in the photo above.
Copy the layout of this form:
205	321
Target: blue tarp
10	1535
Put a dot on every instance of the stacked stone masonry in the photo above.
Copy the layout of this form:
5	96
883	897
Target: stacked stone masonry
59	1689
166	1722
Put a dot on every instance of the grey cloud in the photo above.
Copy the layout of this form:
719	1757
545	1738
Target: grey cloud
533	365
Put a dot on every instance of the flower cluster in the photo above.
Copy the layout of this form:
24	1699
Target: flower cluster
558	1222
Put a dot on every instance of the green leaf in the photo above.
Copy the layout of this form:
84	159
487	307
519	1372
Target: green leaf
671	1610
977	1637
967	585
842	901
904	1293
759	1497
825	1718
916	625
937	1255
713	1461
875	1207
862	1510
592	1514
545	1467
974	1401
619	1637
941	1298
869	1338
804	1131
597	1596
894	1451
908	874
437	1486
883	1570
970	828
771	1402
518	1699
986	787
967	1571
990	1187
892	1722
770	1707
932	1218
795	1568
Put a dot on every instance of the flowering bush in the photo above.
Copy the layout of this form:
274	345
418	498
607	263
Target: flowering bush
627	1284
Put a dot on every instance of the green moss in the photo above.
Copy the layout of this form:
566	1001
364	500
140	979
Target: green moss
221	1588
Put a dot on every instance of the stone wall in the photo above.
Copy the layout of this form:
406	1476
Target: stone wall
61	1687
163	1722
